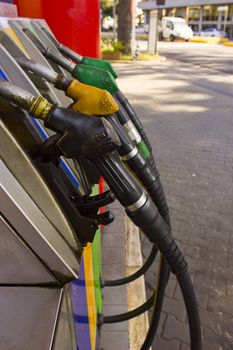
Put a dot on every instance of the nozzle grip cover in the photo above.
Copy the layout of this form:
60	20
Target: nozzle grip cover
101	64
96	77
82	135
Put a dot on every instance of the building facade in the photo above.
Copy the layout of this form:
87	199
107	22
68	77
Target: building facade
200	14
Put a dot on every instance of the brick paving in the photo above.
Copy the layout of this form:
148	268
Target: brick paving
187	114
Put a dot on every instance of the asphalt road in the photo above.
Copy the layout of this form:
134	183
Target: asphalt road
215	56
186	108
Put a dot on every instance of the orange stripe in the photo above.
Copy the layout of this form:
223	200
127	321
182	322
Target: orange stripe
90	292
13	36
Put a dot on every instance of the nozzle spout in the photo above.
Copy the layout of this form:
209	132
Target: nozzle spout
38	106
70	53
16	95
50	36
59	59
38	69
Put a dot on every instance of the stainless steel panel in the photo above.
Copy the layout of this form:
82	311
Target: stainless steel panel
35	229
35	54
28	317
25	173
15	51
16	75
64	338
18	265
46	41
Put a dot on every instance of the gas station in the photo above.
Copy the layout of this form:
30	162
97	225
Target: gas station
71	144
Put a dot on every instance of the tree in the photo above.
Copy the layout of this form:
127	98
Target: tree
106	6
124	24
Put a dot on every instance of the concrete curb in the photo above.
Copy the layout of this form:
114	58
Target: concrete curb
160	59
229	43
208	40
136	293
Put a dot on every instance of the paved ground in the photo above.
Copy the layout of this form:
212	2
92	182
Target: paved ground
214	56
114	336
187	114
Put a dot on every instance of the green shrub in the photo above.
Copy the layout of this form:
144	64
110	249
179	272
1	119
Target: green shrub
109	45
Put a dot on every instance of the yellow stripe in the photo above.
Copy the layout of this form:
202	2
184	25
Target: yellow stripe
13	36
89	279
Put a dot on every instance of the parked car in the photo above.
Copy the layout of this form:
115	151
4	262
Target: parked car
142	29
213	32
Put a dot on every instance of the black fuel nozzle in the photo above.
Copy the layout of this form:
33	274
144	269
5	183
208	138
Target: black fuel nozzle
81	135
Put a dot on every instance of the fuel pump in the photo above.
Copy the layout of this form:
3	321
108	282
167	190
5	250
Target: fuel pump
88	99
79	135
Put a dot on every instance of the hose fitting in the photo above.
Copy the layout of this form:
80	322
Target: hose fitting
40	108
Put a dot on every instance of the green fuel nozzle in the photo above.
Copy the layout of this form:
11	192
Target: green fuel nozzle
87	61
86	74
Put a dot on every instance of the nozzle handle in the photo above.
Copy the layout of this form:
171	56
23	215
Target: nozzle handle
70	53
59	59
82	135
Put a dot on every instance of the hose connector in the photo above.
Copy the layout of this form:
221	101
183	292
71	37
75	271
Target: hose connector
40	108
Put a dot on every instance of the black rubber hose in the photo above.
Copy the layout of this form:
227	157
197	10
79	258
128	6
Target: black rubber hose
134	117
153	186
128	315
189	297
157	307
137	274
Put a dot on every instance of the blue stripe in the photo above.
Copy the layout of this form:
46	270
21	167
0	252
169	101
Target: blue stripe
80	310
2	75
44	134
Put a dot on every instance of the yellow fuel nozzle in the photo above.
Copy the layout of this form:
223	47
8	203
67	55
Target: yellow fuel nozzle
91	100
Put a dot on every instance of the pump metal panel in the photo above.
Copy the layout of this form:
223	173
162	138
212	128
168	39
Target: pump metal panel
37	24
11	66
25	173
45	41
18	264
28	317
35	229
8	49
64	338
37	56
